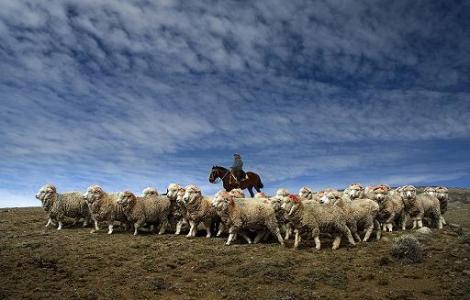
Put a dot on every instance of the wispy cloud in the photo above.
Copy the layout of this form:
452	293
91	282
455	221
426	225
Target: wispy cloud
130	94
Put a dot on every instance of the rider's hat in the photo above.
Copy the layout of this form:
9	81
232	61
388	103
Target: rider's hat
236	155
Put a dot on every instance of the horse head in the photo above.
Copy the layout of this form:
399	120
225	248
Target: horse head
216	172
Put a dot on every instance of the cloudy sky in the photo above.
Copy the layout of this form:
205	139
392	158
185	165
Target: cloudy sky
129	94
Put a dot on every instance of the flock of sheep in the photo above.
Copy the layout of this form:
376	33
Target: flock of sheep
356	210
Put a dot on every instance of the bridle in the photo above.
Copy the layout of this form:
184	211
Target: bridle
219	179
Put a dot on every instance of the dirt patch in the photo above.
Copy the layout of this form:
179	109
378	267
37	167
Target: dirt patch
75	264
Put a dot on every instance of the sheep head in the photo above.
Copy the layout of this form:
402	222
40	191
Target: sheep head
150	191
222	201
127	199
408	192
192	194
46	192
378	192
261	195
355	191
329	196
305	192
282	192
442	193
237	193
291	204
180	195
172	191
93	193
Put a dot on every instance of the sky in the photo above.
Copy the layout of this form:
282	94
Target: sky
130	94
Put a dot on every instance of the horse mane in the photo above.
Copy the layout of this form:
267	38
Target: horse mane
219	167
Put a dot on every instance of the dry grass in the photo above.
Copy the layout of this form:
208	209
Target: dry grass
74	264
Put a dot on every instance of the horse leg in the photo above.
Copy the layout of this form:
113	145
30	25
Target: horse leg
250	189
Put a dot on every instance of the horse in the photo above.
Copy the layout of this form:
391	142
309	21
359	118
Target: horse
251	181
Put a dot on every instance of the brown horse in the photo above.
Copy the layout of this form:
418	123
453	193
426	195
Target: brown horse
252	181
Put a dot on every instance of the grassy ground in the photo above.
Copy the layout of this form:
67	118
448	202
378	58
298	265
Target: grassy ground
74	264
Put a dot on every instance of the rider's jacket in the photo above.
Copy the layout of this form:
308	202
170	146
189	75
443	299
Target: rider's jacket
237	164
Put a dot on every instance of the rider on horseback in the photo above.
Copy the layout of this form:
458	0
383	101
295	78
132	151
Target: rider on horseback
237	168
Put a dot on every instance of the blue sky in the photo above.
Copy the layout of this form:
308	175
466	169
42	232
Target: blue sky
129	94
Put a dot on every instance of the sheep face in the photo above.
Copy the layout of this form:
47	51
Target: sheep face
305	192
290	205
408	192
172	191
222	201
150	191
430	191
93	193
355	190
282	193
192	193
442	193
126	199
237	193
179	196
379	192
329	197
46	192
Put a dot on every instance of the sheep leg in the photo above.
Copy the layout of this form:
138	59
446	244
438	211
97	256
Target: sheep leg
85	222
178	227
221	229
420	223
96	227
60	225
369	230
247	238
231	235
443	221
192	229
414	224
316	238
207	227
163	227
259	236
378	233
110	228
136	228
345	231
274	229
404	219
336	242
297	238
384	227
49	222
288	232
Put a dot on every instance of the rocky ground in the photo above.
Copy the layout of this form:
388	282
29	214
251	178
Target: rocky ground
74	264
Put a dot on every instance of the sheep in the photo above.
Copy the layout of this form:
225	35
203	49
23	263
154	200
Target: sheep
360	212
150	209
246	214
314	218
306	193
261	195
199	209
237	193
354	191
149	191
391	207
180	212
177	218
61	206
442	194
104	208
419	206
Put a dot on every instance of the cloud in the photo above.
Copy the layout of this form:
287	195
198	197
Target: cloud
129	94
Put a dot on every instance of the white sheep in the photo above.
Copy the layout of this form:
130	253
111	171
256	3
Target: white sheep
104	208
315	218
442	194
149	209
360	213
306	193
198	210
246	214
237	193
420	206
61	206
391	207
